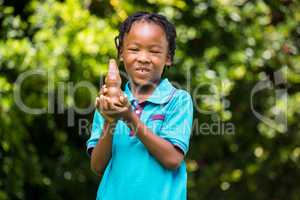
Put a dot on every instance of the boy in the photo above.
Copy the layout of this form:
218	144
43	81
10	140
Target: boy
140	154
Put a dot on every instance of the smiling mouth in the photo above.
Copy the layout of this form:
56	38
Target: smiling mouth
143	70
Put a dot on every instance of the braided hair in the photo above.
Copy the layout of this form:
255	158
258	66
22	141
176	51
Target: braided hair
150	17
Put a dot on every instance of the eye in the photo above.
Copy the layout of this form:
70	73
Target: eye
155	52
133	49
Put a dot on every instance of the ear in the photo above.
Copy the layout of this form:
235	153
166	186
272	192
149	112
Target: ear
168	62
121	55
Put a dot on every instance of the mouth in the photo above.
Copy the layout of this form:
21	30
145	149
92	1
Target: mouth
142	69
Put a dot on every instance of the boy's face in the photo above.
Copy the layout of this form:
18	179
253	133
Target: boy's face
145	52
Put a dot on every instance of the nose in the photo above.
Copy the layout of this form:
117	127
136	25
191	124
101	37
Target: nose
143	57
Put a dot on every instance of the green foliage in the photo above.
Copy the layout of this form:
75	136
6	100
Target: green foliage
225	49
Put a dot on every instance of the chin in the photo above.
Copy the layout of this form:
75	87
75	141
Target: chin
143	82
138	81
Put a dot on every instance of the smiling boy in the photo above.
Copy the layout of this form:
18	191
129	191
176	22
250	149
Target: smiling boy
141	154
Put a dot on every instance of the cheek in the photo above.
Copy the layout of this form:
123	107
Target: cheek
128	67
129	58
158	61
161	58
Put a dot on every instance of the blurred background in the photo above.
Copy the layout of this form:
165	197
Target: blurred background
239	59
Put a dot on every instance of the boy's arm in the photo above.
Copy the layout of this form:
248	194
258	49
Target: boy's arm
165	152
101	154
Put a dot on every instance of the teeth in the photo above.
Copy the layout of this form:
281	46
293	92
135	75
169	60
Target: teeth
142	70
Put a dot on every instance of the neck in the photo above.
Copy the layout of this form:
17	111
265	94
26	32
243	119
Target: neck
142	92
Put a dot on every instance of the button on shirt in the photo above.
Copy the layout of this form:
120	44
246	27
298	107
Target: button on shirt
132	172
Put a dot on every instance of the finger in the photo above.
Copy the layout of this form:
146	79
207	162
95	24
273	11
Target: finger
103	86
118	107
115	107
107	105
110	105
103	103
104	91
118	103
99	105
102	107
97	102
124	100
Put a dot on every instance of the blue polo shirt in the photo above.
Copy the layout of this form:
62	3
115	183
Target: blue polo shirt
132	172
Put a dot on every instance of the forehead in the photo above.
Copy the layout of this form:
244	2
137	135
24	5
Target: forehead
146	33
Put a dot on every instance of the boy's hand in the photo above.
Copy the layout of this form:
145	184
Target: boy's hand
122	109
102	105
112	112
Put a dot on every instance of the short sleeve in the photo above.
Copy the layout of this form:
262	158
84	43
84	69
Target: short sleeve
97	126
178	121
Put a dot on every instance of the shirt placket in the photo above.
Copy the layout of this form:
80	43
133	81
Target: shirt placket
138	111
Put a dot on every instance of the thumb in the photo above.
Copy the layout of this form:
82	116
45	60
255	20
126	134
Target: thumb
124	100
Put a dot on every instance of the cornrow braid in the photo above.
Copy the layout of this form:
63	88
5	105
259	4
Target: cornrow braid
150	17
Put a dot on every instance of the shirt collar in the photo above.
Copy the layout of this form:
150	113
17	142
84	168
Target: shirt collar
162	93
